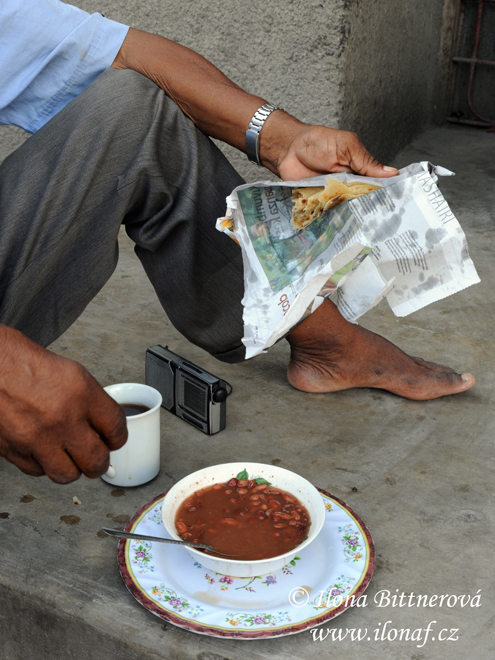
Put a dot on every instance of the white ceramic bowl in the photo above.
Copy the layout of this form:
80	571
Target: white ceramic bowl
305	492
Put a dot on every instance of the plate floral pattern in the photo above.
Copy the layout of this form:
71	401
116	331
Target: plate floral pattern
168	581
167	596
261	619
351	539
142	557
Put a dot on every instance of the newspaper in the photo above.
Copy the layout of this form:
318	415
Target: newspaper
401	242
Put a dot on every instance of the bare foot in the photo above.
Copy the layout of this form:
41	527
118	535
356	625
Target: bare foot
329	354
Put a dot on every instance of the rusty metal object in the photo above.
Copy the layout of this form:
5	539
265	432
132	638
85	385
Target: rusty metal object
473	61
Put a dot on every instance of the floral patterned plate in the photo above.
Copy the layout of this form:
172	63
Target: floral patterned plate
327	577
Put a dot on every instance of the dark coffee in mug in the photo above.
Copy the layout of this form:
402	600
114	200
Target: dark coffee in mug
131	409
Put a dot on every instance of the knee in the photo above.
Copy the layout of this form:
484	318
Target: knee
231	356
124	98
123	91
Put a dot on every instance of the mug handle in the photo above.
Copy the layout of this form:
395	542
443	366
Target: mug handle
111	473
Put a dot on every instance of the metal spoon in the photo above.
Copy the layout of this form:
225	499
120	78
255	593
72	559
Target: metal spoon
128	535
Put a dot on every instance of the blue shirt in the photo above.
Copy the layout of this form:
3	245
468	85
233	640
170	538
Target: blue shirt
50	51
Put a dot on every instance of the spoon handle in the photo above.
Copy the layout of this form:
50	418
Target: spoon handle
128	535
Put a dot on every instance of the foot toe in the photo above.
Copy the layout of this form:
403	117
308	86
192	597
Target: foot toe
469	379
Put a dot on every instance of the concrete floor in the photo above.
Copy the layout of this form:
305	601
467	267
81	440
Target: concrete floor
421	475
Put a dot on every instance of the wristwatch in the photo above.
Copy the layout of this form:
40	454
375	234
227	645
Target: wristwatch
252	133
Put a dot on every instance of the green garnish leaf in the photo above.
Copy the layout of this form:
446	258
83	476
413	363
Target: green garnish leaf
260	480
242	475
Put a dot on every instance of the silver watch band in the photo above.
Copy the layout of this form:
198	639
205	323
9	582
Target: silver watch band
252	133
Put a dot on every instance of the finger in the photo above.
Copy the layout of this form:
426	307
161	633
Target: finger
108	419
341	168
26	464
355	155
58	465
89	453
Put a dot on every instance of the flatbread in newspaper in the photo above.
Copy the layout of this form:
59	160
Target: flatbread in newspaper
309	203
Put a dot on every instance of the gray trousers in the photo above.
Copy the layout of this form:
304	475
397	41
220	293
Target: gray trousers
121	152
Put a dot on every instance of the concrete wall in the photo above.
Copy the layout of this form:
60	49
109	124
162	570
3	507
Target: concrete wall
389	75
287	51
363	65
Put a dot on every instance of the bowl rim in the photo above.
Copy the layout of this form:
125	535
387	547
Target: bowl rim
311	536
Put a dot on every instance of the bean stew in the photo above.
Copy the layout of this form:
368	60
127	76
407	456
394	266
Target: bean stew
248	518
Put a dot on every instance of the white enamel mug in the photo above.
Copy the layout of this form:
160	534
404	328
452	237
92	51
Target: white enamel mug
138	461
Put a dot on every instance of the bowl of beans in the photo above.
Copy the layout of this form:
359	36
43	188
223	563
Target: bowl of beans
260	514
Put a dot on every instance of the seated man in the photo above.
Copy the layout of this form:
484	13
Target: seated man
128	145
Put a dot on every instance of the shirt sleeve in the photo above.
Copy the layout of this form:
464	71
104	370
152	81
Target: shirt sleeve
50	51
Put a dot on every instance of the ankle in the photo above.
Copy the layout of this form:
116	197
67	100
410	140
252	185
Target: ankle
325	326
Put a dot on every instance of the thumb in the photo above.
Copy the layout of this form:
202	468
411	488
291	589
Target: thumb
379	171
362	162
